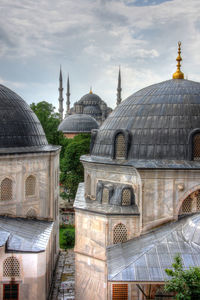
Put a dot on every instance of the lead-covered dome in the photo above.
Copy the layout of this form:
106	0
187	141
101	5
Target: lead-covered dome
19	126
78	123
156	122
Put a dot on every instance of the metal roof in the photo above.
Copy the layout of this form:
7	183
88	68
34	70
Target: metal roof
86	204
19	126
146	257
159	119
24	235
78	123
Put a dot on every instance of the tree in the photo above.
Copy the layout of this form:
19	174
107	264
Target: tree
185	283
71	168
50	121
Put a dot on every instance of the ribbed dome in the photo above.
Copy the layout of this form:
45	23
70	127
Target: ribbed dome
158	119
19	126
78	123
90	97
93	110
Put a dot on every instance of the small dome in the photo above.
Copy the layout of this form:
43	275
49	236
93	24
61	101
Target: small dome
158	121
78	123
92	110
19	126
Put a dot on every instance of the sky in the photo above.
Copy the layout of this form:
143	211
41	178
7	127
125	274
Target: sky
90	39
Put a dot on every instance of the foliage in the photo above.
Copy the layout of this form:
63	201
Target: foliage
185	283
67	236
50	121
71	168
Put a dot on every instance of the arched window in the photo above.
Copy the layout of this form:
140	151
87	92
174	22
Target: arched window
191	204
126	197
88	185
31	213
105	196
6	189
30	185
120	146
119	234
196	146
11	267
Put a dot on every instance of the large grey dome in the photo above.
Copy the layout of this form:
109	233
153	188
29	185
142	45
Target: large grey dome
78	123
19	126
90	98
158	120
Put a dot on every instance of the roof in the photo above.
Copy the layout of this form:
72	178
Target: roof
146	257
78	123
86	204
19	126
89	99
24	235
158	119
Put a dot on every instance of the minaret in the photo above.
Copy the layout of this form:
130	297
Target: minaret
119	89
68	97
60	99
178	74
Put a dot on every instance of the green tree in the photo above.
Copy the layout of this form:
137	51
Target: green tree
184	283
71	168
49	120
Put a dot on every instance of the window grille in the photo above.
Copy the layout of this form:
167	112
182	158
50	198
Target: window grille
198	200
126	197
191	204
10	291
31	213
6	189
187	205
196	146
30	185
105	196
11	267
120	292
119	234
120	147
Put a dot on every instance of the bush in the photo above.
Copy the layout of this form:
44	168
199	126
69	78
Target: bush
67	236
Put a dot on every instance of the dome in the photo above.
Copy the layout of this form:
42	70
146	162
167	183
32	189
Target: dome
157	120
19	126
90	98
91	110
78	123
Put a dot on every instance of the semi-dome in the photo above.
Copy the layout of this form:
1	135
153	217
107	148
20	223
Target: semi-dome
91	110
157	122
19	126
78	123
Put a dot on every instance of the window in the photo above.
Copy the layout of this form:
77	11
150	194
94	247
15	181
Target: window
191	204
119	234
120	292
31	213
30	185
196	146
120	147
6	189
11	267
126	197
10	291
105	196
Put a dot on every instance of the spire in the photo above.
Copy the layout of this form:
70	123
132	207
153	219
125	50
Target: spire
91	90
60	99
68	96
178	74
119	89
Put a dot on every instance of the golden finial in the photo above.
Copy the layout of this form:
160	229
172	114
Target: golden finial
178	74
90	90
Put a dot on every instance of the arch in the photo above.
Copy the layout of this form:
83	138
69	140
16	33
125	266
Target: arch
184	196
126	197
6	189
11	267
120	234
30	186
31	213
190	204
120	146
88	185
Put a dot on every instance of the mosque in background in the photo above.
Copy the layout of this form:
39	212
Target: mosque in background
88	113
140	201
29	191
